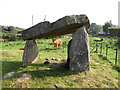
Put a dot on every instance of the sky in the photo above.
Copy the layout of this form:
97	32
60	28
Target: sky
19	13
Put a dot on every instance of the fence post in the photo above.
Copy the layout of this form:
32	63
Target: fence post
100	48
116	56
106	50
93	48
63	48
96	47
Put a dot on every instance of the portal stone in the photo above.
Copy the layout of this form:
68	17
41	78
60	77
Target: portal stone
30	52
78	53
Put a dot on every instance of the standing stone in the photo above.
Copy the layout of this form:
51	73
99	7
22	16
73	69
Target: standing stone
30	52
68	59
79	51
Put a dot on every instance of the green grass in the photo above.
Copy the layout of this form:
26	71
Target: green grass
102	73
112	44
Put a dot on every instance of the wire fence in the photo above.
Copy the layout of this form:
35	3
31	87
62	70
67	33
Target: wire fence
109	50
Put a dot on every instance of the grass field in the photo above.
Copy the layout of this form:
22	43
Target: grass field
102	74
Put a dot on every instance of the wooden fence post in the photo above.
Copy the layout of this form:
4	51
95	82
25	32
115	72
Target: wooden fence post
100	48
93	48
116	56
96	47
106	50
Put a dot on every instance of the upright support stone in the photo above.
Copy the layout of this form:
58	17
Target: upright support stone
68	59
30	53
79	51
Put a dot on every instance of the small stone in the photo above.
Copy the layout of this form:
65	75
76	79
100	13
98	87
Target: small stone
47	69
29	66
27	76
20	68
46	59
53	59
46	62
56	86
64	60
24	78
10	74
57	59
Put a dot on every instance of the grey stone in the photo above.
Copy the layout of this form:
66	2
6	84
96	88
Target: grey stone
20	68
46	62
25	75
24	78
10	74
53	59
46	59
65	25
79	51
57	59
30	53
64	60
56	86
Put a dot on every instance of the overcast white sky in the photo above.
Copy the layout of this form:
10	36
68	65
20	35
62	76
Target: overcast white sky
19	13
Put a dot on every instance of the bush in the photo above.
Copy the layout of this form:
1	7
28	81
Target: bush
10	37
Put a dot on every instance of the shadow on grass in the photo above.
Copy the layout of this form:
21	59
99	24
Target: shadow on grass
10	66
104	58
117	68
47	49
37	70
50	49
58	70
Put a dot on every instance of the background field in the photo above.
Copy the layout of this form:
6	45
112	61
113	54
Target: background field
103	71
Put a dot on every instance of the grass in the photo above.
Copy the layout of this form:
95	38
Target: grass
102	73
112	43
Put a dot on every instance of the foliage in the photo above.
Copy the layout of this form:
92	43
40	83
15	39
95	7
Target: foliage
10	33
106	26
94	29
114	31
10	36
10	29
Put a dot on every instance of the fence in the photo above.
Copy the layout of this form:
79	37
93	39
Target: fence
109	50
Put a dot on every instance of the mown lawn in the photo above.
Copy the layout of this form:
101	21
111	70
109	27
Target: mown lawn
102	73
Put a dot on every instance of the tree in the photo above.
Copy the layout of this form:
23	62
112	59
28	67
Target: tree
10	32
0	29
106	25
94	29
12	29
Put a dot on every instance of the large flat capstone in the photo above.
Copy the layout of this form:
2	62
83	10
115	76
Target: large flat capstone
65	25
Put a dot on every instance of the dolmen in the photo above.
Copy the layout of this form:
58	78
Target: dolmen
78	47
